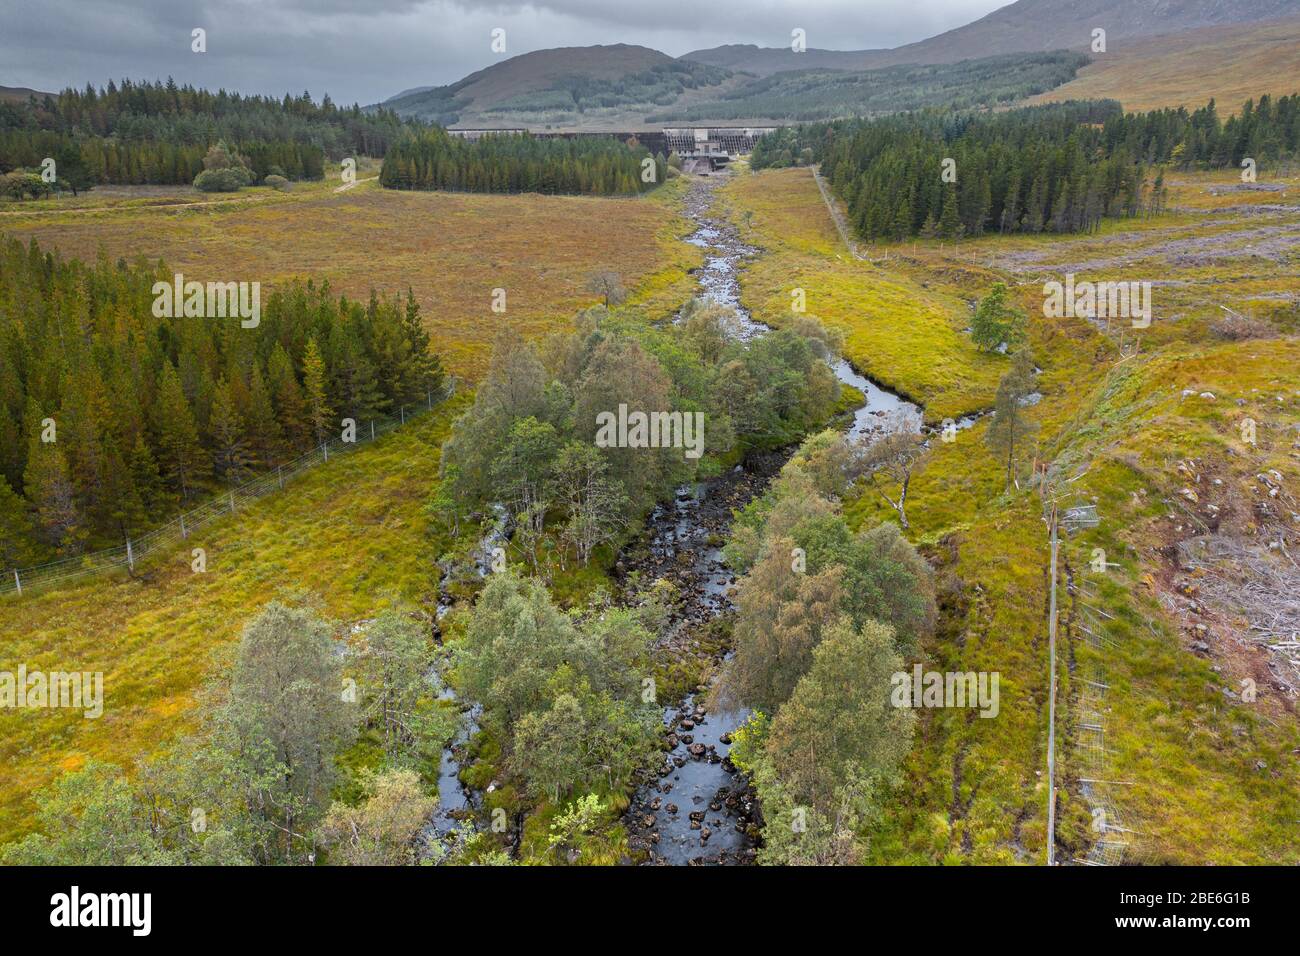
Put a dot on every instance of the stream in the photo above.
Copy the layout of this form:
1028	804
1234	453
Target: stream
696	808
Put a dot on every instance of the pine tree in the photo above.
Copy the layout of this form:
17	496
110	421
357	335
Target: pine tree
49	488
1011	430
125	511
1034	206
902	225
950	226
356	384
319	414
18	547
423	373
290	405
996	320
182	458
229	446
263	431
146	480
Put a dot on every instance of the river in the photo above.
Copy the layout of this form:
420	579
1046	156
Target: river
696	808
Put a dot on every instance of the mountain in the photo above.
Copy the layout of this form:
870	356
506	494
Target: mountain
1037	25
1230	64
19	94
544	81
1022	27
765	61
1158	52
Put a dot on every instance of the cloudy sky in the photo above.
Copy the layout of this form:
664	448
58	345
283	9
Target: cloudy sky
367	50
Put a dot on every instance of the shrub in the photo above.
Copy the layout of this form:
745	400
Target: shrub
19	184
276	182
221	180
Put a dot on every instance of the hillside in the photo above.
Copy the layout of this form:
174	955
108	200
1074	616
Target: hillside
1228	63
765	61
19	94
514	95
1158	47
808	95
559	84
1068	24
1024	26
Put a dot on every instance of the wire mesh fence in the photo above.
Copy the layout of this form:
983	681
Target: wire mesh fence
176	530
1114	842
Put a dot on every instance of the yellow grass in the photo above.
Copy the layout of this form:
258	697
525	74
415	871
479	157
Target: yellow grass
902	328
974	789
353	532
1228	63
452	249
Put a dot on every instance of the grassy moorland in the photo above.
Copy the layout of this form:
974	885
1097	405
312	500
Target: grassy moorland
452	249
1230	63
353	532
900	328
1212	778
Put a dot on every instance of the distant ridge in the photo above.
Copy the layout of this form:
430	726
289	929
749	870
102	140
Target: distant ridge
1027	26
19	94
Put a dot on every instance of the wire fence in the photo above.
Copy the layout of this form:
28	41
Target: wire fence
1115	843
171	533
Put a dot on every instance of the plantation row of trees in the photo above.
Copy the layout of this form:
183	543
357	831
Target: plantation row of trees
1267	131
164	112
260	782
1057	168
83	164
529	441
824	618
151	412
521	162
155	133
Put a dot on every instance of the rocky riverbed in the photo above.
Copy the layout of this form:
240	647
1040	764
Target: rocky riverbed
696	808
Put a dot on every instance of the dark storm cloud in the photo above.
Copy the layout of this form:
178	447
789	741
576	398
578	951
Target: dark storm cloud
367	51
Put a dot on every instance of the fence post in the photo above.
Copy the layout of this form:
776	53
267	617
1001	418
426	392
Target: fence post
130	555
279	474
184	535
372	429
18	582
403	414
232	500
1051	708
325	449
428	398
